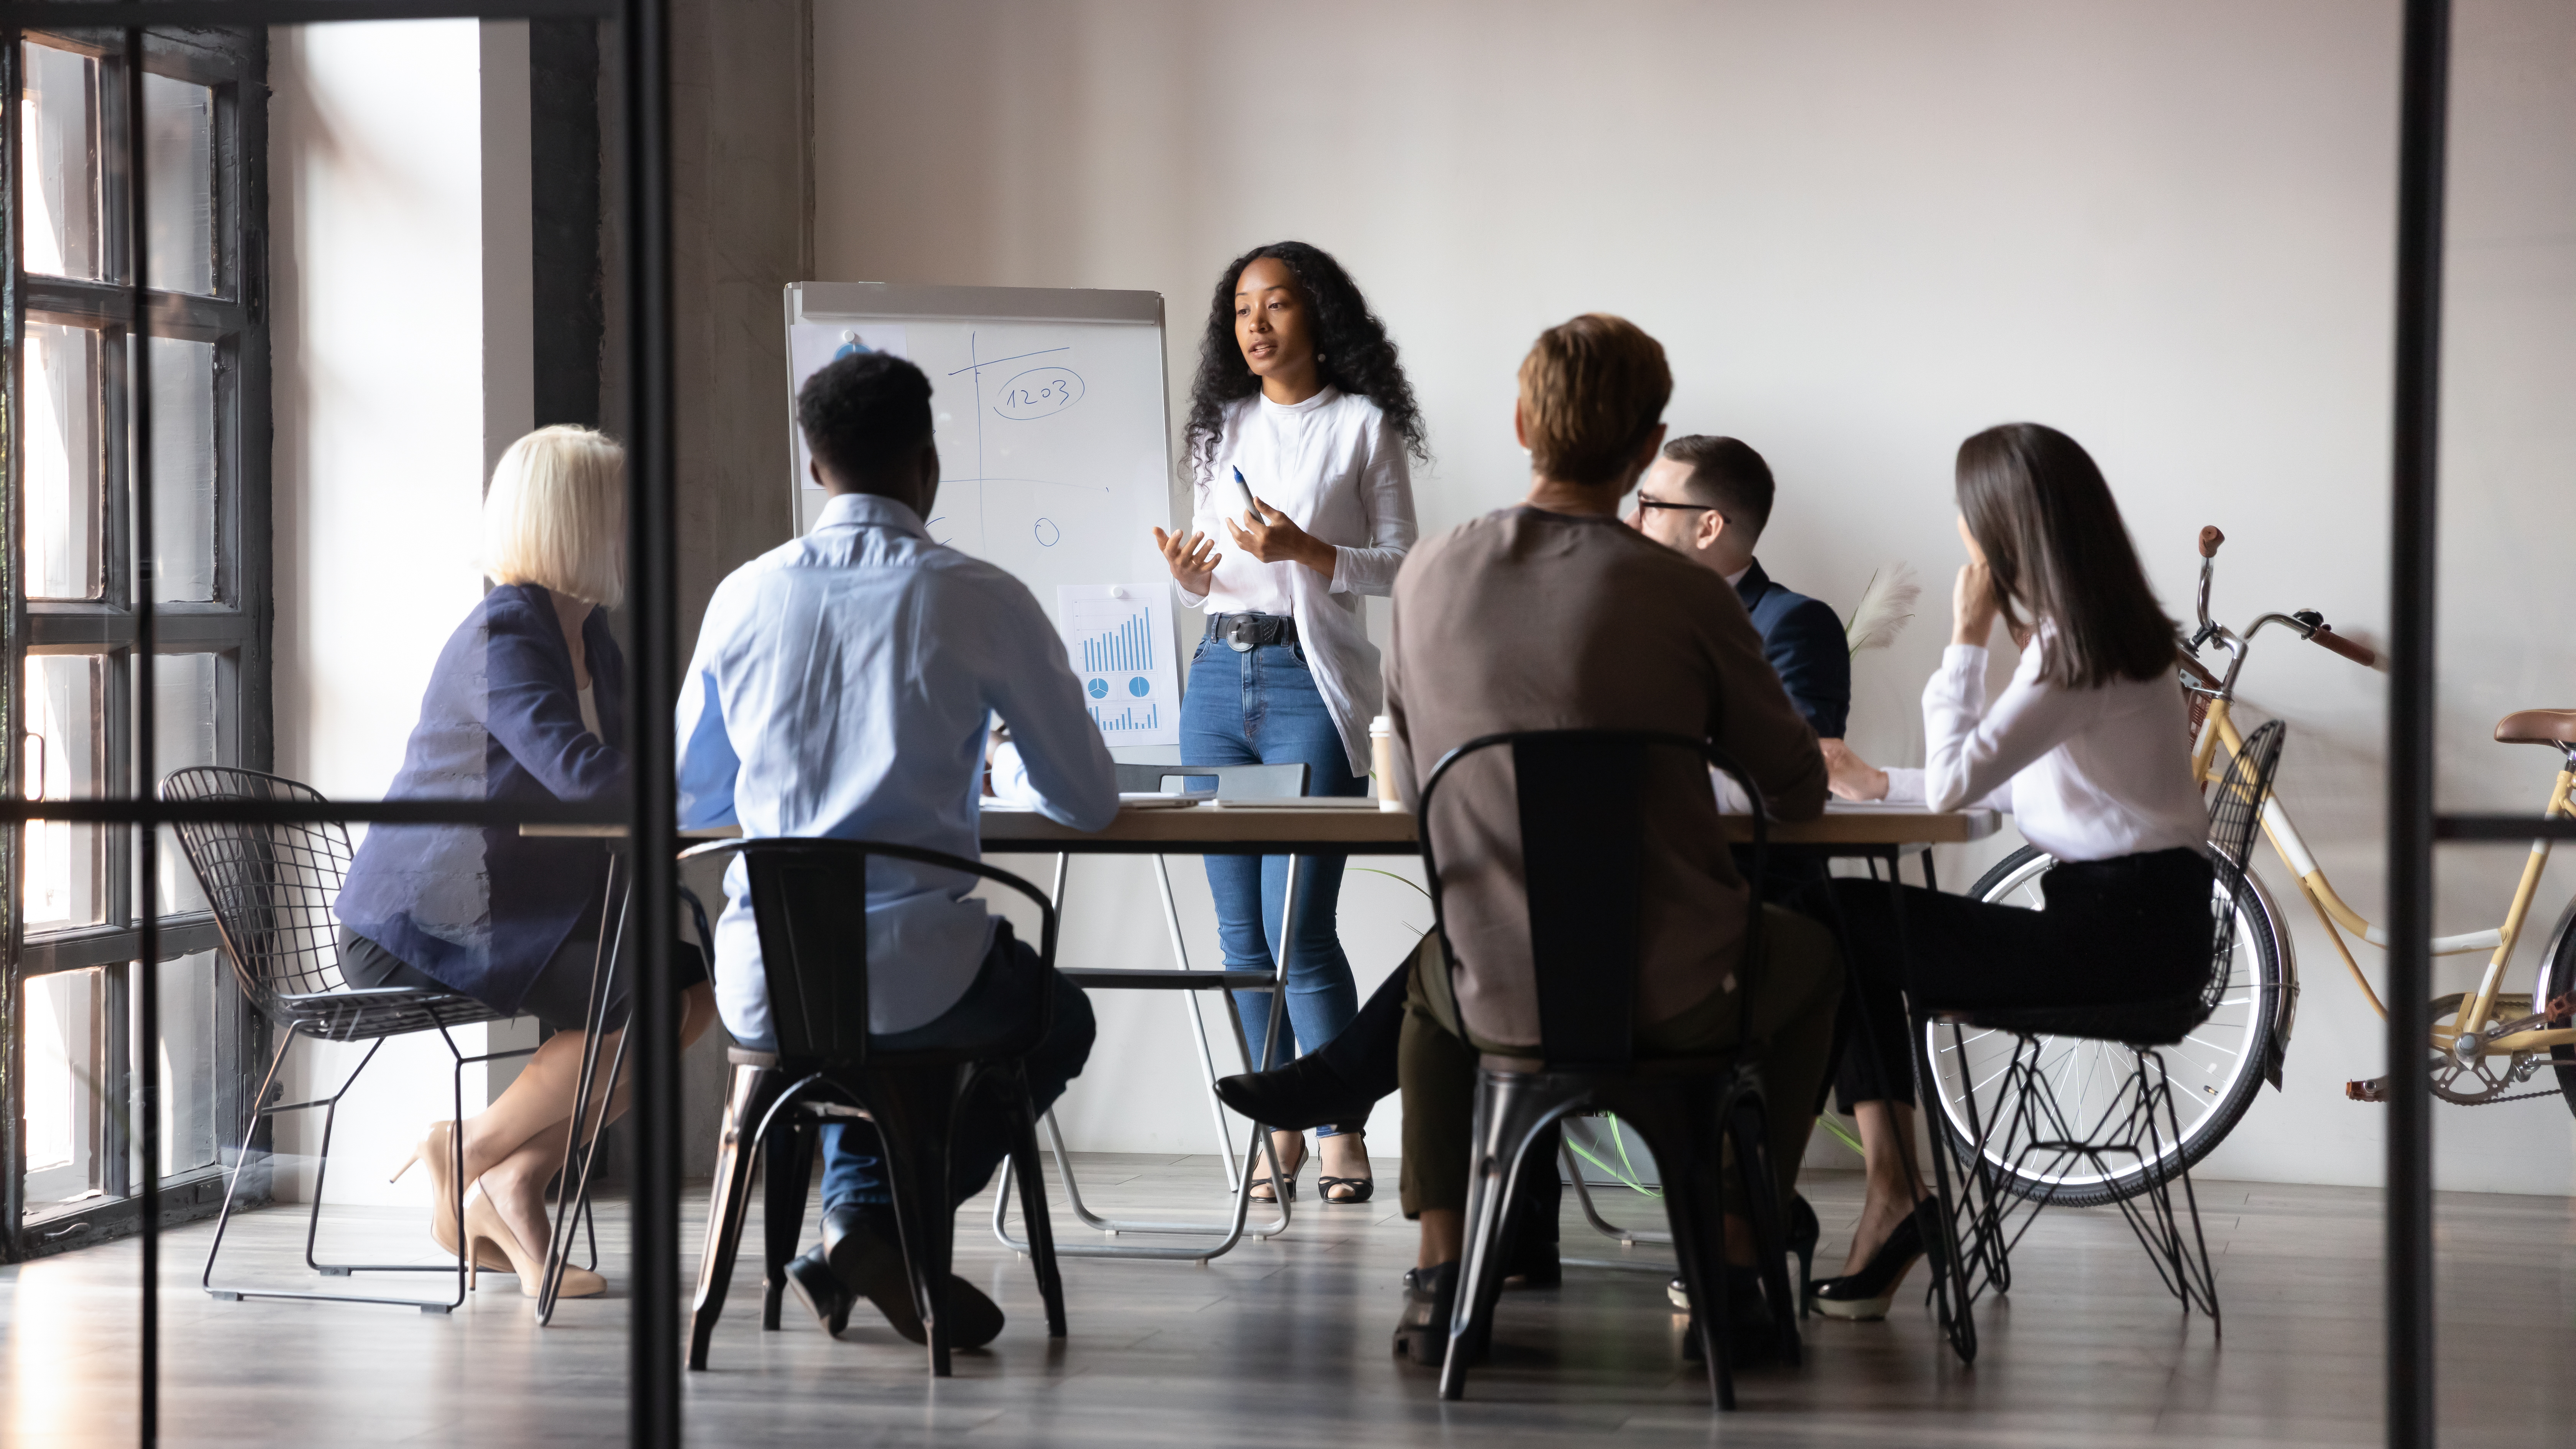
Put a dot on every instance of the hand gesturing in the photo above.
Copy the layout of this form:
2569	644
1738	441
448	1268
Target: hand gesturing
1192	560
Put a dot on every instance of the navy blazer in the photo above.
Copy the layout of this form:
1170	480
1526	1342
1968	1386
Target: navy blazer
1803	639
480	909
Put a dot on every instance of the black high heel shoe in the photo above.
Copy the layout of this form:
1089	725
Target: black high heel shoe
1803	1232
1301	1095
1867	1294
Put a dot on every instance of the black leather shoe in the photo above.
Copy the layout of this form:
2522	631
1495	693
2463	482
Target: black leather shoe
1301	1095
1803	1232
810	1278
1752	1337
865	1259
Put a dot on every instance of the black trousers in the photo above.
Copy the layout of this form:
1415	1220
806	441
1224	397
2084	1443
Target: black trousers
2130	928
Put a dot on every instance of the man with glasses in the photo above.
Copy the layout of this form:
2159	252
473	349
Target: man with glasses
1707	499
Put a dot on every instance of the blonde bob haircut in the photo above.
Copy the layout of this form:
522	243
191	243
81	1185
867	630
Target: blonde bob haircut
555	515
1592	390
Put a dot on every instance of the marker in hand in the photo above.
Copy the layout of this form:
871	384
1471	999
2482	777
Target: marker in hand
1243	499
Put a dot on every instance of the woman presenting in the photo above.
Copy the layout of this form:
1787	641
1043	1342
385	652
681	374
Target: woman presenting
1298	396
524	704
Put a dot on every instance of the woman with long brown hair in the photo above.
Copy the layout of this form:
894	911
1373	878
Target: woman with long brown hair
2087	747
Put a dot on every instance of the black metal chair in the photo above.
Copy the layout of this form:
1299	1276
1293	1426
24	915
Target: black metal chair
1581	797
2140	1130
271	888
809	903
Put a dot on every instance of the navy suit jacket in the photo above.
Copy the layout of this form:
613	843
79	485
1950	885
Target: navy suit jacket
480	909
1803	638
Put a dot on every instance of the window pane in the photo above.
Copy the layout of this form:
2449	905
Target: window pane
183	470
179	171
188	1017
63	465
66	1071
58	119
183	734
64	758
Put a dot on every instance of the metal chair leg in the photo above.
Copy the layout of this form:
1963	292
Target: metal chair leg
787	1170
1511	1109
755	1089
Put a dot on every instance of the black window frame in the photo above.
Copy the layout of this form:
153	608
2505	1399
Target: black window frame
234	627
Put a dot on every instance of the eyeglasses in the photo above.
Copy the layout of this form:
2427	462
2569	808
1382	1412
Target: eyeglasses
1645	502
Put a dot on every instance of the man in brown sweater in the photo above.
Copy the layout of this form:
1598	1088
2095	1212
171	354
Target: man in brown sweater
1555	615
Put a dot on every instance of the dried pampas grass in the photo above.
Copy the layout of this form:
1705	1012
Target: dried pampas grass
1886	607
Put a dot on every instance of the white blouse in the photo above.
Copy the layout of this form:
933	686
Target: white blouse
1335	465
2088	774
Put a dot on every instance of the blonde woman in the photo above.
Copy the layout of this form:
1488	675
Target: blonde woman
524	705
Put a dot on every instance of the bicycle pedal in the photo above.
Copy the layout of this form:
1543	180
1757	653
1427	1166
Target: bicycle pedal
2373	1090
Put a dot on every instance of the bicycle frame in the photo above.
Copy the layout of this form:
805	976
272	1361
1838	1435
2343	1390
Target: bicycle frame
2477	1011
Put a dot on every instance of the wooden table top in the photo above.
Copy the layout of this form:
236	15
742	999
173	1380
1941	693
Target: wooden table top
1275	830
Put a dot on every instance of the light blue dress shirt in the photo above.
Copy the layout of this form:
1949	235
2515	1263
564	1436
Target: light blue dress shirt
843	686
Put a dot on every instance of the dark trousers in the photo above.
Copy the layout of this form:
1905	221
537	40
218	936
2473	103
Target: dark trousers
1006	990
2131	928
1782	1015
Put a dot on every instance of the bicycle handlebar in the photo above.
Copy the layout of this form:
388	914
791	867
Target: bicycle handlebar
2361	654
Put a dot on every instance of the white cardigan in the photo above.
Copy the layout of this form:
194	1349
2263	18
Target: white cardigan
1335	465
2088	774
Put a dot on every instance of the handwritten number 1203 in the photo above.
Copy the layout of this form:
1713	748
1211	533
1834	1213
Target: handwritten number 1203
1039	392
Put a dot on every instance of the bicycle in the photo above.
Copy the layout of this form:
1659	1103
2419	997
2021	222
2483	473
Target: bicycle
2485	1043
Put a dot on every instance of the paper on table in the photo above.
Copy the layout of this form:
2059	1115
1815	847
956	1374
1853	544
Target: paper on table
1303	802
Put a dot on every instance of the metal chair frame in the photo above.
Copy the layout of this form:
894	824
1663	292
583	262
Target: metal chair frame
2036	1124
272	907
1231	780
1575	788
827	1067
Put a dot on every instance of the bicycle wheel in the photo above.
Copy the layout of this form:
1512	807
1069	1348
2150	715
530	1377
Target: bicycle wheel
2557	978
2214	1072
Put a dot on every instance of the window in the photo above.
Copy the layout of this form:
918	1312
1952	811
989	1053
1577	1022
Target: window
72	671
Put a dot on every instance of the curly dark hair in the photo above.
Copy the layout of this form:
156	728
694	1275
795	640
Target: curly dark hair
1352	350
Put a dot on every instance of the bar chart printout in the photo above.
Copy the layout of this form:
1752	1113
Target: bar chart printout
1117	638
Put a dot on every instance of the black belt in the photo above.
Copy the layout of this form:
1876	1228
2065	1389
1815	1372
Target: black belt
1244	633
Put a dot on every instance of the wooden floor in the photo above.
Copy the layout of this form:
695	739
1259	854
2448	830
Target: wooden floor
1285	1344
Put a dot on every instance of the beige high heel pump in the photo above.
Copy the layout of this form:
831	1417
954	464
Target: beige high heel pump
486	1229
436	1150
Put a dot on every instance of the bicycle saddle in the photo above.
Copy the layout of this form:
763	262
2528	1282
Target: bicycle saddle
2537	727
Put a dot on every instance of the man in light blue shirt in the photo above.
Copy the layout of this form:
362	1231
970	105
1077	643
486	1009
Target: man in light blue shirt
846	684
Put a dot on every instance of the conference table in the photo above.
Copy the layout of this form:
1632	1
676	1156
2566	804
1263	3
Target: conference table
1845	830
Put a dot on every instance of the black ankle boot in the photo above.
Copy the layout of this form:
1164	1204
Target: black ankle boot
1430	1299
1301	1095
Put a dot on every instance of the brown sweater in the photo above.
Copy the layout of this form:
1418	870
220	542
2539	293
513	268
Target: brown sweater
1530	620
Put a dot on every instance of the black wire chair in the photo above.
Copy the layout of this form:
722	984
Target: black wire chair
2141	1131
271	887
809	902
1580	797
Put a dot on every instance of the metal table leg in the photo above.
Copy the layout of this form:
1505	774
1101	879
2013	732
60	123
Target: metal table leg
1239	1184
581	1151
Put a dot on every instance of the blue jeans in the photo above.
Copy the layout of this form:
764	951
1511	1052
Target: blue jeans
1261	707
1004	993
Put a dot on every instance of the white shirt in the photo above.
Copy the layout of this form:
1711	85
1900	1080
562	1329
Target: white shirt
842	686
1337	467
2089	774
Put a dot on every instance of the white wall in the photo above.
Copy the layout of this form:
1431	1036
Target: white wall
1862	231
402	369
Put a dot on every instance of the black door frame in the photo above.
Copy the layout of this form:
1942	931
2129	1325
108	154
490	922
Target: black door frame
642	32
